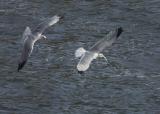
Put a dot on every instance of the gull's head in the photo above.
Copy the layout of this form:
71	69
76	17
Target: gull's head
95	55
100	55
44	37
79	52
61	17
56	17
54	20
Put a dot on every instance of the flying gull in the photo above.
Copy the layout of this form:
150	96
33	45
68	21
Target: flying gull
29	38
86	57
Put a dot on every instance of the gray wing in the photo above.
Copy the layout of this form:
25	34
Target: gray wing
85	61
26	33
27	50
107	41
47	23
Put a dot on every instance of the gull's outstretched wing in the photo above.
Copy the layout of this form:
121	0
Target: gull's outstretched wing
27	50
47	23
86	60
107	41
26	33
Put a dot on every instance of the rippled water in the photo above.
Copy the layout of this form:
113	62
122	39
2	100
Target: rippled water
50	84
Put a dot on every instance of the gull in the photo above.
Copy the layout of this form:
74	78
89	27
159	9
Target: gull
30	37
87	56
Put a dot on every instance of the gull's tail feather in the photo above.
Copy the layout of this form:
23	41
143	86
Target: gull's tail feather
47	23
21	65
119	31
79	52
53	20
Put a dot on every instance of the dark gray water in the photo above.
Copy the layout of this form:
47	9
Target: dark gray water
50	84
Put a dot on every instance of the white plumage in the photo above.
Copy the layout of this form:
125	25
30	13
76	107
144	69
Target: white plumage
95	51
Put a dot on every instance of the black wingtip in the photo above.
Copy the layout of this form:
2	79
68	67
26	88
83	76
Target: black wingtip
119	31
21	65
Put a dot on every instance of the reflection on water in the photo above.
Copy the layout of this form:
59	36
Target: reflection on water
50	84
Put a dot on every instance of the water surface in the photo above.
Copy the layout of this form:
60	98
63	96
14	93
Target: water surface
49	82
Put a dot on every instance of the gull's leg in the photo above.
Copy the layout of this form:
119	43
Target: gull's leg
43	36
101	55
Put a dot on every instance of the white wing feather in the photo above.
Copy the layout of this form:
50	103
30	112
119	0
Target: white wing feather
26	33
86	60
79	52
